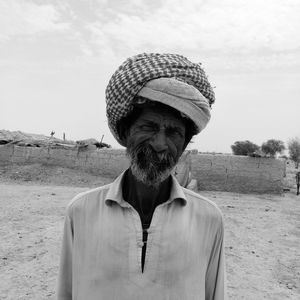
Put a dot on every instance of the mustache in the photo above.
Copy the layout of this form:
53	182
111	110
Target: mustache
148	166
145	156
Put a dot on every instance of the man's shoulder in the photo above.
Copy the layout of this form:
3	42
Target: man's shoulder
89	198
202	205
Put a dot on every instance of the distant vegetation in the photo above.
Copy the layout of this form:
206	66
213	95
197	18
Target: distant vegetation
270	148
244	148
294	150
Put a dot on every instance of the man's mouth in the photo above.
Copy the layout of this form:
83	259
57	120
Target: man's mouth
150	167
147	158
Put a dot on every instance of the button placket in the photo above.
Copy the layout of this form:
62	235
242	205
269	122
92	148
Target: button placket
138	236
140	244
152	235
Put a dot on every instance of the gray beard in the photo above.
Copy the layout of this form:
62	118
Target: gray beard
148	167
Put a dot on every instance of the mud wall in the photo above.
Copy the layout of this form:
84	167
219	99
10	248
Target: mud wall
103	162
238	173
212	172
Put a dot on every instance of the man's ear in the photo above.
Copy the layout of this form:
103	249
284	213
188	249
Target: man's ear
186	142
123	133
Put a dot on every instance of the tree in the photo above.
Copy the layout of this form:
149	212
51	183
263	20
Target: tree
272	147
244	148
294	151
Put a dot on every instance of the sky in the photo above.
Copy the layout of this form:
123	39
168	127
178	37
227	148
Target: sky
56	58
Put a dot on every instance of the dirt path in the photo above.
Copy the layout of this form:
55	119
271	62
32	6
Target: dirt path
262	245
31	222
262	242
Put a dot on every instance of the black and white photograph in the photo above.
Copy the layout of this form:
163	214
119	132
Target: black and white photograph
149	149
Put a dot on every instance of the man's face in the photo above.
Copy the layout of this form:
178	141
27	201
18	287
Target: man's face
155	142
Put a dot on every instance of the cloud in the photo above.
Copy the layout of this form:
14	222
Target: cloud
230	33
237	31
25	18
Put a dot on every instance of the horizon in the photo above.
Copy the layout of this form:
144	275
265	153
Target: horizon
119	147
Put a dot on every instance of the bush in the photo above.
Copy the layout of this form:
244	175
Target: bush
294	151
244	148
272	147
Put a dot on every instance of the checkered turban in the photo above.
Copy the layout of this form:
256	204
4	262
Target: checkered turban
136	71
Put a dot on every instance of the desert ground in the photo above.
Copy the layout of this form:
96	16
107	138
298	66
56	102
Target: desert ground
262	239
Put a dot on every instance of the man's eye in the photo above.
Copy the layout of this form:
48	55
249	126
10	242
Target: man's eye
174	132
146	127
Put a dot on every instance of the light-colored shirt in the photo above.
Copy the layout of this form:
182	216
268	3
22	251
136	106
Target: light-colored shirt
102	248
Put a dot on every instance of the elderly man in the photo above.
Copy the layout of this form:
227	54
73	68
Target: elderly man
144	236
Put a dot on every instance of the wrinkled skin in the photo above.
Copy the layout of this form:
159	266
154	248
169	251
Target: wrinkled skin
155	142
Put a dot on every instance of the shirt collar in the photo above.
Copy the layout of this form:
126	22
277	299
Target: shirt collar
115	193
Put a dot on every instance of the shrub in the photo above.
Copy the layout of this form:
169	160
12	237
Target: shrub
244	148
294	151
272	147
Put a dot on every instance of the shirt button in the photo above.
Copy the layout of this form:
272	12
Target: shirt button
140	244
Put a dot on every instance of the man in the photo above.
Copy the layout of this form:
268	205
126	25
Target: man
144	236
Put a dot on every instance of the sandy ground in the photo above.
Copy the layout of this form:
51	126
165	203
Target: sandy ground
262	235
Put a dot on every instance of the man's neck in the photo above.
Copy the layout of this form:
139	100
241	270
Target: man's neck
147	197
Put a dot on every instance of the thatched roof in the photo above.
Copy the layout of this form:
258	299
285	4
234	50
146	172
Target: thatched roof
91	141
31	140
38	140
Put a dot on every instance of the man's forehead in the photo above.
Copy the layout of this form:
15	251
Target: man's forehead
161	114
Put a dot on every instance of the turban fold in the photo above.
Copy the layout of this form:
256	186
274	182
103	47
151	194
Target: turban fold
167	78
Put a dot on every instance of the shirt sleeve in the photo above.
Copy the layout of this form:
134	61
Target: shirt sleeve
215	282
64	286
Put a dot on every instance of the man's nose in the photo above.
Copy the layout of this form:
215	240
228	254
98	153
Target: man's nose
159	142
